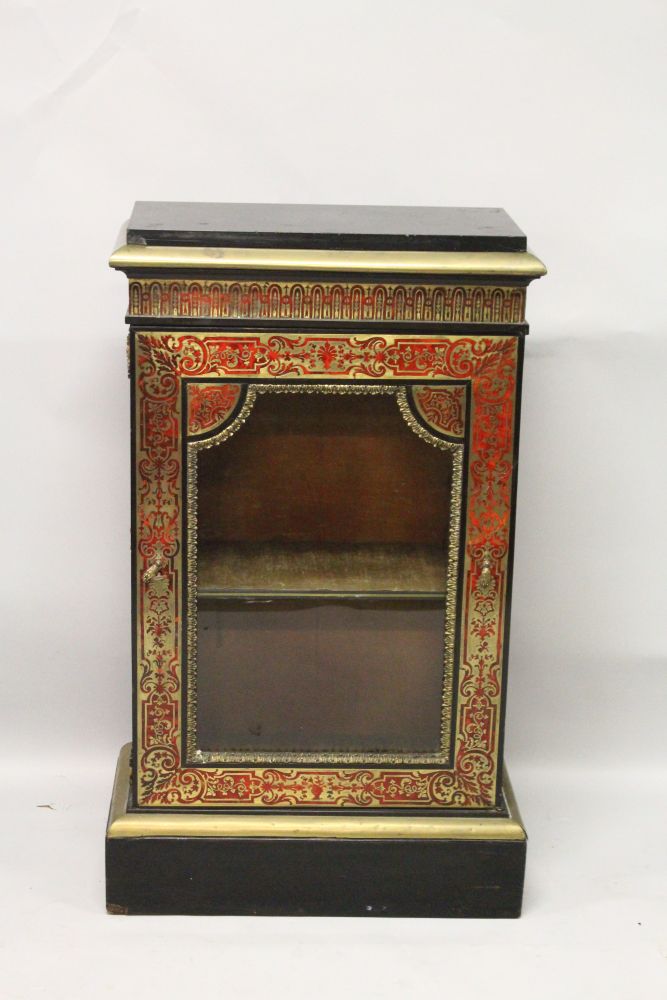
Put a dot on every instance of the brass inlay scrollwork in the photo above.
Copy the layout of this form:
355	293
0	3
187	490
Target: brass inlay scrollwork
489	366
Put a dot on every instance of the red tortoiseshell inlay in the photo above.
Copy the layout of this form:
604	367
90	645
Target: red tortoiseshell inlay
489	365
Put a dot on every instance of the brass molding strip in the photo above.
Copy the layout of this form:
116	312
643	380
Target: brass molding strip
260	295
519	263
123	824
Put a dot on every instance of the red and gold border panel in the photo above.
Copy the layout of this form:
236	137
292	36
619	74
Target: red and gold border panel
489	364
327	301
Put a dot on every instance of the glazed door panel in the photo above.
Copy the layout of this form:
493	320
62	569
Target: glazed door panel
324	532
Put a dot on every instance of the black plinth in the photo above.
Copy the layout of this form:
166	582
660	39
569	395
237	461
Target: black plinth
450	867
315	877
362	878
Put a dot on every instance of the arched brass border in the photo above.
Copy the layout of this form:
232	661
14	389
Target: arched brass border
195	756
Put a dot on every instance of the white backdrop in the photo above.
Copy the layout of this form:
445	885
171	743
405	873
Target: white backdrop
556	113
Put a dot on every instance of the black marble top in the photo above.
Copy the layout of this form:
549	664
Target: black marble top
323	227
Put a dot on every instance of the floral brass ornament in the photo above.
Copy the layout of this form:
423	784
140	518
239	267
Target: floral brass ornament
355	302
488	364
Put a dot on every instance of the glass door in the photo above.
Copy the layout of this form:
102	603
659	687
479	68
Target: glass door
323	579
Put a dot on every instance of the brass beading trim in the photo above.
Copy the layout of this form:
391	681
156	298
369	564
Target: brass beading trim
457	451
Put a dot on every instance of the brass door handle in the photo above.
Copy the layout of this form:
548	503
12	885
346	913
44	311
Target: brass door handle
485	582
155	566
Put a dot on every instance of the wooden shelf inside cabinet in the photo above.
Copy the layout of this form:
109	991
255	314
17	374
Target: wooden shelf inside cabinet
274	571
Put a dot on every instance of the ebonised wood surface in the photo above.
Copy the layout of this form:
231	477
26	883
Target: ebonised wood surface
293	877
330	227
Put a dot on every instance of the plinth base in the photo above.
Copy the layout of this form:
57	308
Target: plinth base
322	865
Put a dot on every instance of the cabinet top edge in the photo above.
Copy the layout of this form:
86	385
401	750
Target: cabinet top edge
137	257
323	227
